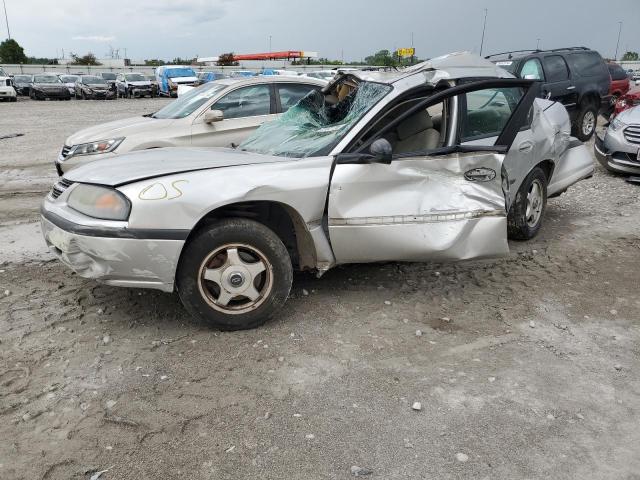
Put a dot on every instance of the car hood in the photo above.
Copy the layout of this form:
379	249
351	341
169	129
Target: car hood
96	86
117	128
145	164
630	116
141	83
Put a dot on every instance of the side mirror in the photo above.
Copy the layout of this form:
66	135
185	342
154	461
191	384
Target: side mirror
381	150
212	116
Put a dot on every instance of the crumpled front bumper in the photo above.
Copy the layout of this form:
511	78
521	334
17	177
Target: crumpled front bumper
113	260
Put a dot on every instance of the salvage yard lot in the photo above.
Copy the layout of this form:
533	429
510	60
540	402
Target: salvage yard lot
525	367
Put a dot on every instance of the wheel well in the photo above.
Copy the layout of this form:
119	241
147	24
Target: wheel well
547	167
282	219
590	98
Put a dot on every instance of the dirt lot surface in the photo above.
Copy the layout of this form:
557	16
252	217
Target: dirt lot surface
525	367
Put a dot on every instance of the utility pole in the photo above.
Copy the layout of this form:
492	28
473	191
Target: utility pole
615	57
412	55
269	43
484	27
6	18
538	45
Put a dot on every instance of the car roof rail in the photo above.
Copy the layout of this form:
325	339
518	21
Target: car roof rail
568	48
512	51
533	50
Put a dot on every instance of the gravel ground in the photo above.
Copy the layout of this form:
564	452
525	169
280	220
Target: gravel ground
524	367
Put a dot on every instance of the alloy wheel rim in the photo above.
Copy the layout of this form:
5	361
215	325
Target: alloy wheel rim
588	123
534	204
235	278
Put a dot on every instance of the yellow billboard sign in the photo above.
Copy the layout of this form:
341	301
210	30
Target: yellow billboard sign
406	52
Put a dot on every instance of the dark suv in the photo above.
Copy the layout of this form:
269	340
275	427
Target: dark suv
578	77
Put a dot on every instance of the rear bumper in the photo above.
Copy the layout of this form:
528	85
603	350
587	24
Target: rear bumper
575	164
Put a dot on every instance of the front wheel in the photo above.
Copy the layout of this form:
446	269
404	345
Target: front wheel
526	214
235	274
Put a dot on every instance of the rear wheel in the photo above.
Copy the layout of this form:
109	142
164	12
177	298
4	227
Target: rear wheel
586	121
235	274
527	212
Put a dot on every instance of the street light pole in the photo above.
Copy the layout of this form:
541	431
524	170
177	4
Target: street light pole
484	27
538	45
6	18
269	43
618	44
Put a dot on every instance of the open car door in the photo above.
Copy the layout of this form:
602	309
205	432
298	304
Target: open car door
446	203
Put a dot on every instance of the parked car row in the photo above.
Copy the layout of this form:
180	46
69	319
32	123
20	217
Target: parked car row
441	161
84	86
167	81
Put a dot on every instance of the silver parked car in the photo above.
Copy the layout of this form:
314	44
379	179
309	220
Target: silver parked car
437	162
619	150
70	82
215	114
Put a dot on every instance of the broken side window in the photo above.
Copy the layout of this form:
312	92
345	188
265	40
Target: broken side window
316	123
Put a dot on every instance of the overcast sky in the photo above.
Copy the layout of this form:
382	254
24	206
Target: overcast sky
170	28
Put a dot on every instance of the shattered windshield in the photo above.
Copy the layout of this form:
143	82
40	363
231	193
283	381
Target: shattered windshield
317	122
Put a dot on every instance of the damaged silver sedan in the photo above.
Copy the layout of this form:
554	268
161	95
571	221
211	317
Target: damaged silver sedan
441	161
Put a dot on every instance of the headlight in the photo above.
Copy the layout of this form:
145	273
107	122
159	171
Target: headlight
99	202
99	146
617	124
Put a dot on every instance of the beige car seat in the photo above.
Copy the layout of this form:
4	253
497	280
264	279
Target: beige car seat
416	133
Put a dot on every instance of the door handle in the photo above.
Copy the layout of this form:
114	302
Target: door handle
525	147
572	87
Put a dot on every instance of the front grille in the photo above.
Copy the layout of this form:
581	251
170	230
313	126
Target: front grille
632	134
59	187
65	151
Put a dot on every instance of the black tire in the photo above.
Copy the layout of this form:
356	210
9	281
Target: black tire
248	238
521	226
14	99
82	95
588	114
